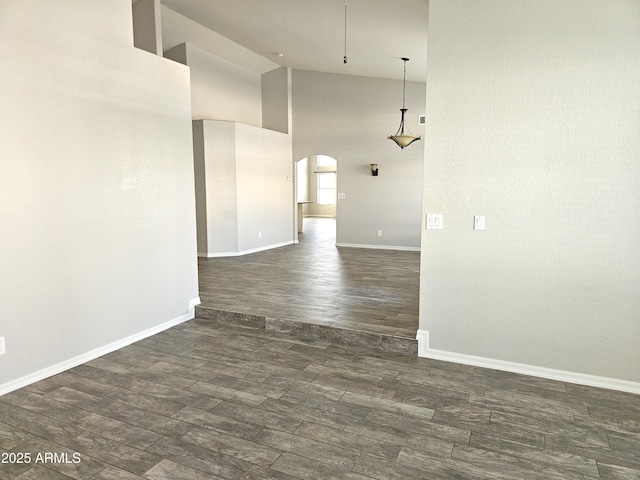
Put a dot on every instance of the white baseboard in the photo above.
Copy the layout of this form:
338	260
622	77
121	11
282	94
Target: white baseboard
378	247
245	252
98	352
543	372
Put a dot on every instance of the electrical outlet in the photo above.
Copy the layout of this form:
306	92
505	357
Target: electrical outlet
2	349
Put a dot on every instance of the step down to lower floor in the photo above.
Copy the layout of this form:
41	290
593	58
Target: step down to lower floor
310	331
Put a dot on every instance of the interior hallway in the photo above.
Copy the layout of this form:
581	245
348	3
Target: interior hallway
373	292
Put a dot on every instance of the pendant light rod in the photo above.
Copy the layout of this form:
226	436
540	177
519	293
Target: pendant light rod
404	80
345	31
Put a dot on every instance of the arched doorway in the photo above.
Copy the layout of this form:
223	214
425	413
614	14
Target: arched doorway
316	196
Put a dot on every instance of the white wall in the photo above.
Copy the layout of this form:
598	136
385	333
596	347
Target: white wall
97	221
216	187
302	179
220	89
248	188
244	173
265	188
200	185
276	99
532	111
350	118
147	25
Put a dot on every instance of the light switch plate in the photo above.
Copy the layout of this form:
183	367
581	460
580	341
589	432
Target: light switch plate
2	349
342	196
478	222
434	221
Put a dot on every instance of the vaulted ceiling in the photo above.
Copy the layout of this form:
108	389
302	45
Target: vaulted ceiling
310	34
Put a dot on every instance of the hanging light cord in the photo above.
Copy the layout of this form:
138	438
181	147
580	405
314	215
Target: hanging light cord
404	82
404	96
345	31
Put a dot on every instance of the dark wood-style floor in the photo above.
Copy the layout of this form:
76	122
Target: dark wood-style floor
210	400
213	401
373	291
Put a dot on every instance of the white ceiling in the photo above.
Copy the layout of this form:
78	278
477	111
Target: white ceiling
310	34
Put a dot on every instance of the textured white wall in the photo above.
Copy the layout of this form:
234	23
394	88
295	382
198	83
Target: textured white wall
97	222
302	179
248	188
276	99
244	173
533	121
349	118
221	186
200	185
220	89
265	188
147	26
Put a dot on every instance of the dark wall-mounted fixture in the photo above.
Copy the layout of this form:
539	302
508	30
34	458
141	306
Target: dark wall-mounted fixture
402	139
374	169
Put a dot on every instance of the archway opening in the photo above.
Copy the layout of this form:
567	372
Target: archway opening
316	198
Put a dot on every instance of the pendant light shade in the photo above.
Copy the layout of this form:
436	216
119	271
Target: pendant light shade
401	138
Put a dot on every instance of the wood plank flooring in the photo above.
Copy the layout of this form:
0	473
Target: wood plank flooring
205	400
283	388
363	290
367	290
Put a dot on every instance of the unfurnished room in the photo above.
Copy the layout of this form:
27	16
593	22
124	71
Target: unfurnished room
319	239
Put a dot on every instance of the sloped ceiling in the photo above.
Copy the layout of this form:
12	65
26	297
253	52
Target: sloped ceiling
309	33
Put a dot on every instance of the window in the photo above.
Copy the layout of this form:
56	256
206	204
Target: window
325	161
326	188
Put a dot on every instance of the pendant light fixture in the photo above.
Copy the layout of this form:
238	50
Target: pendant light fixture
401	138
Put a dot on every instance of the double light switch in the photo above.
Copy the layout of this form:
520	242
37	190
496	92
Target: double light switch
435	221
